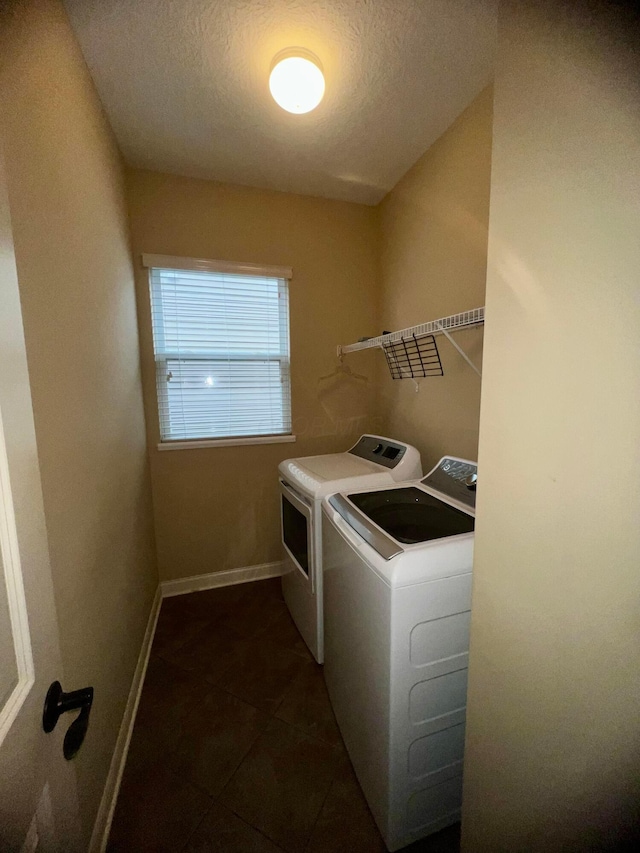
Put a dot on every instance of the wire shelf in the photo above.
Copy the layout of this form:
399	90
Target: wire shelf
413	357
464	320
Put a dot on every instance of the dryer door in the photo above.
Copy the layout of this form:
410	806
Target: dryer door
296	518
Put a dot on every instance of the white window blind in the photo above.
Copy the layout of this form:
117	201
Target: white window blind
221	343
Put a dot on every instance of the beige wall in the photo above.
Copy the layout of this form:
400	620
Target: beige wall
217	508
553	742
431	228
433	255
77	292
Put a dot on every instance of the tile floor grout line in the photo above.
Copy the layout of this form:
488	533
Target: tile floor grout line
287	691
224	672
237	766
306	732
333	778
193	784
215	801
210	689
326	797
230	692
197	826
272	715
230	807
250	825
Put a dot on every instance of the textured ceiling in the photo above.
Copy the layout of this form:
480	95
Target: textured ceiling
185	85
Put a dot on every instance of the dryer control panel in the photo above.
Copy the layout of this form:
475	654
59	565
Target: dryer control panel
455	478
381	450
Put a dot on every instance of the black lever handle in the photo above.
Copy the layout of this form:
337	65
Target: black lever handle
58	702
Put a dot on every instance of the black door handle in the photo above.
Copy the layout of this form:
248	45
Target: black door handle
58	702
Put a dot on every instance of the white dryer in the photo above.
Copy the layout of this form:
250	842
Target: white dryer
397	586
304	482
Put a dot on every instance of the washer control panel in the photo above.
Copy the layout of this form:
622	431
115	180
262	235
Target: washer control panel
380	450
455	478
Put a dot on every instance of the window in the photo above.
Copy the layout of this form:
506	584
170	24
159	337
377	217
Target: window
221	345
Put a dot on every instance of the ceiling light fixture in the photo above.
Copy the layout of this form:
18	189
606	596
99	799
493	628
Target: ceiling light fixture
296	80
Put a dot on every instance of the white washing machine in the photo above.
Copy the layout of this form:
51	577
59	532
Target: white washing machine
304	482
397	592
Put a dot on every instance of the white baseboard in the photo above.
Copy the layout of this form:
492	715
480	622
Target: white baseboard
180	586
104	817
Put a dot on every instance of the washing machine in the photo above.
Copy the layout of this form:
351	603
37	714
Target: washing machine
397	593
304	482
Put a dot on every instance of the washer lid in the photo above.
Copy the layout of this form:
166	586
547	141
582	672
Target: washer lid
411	515
392	520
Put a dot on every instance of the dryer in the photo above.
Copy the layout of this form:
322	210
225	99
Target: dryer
304	482
397	584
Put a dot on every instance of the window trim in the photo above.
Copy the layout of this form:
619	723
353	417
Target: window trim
153	261
173	262
197	443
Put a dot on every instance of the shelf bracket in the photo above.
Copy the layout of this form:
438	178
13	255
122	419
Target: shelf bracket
458	347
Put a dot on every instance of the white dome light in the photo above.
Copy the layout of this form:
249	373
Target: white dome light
296	81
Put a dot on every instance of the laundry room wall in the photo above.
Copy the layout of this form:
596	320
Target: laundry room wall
217	508
553	744
66	195
433	259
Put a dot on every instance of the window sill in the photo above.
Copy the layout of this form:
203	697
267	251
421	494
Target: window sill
199	443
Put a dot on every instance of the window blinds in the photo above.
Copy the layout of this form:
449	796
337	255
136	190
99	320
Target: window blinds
221	344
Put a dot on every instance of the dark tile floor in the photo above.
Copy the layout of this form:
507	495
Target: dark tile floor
235	747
